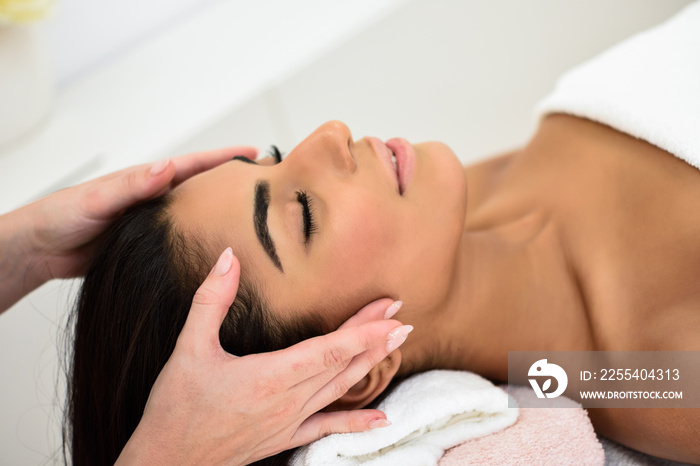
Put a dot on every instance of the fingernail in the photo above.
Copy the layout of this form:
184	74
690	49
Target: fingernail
377	423
397	336
223	265
159	166
393	309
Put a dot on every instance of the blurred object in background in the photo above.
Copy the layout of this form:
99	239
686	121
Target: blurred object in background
26	81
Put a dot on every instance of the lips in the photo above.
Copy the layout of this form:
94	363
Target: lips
386	157
398	158
405	161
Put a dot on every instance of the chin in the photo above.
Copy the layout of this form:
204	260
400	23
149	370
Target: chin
443	206
448	170
447	181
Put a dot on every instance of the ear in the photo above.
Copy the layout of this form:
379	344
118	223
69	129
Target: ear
369	388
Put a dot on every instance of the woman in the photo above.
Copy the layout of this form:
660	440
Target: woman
585	239
55	237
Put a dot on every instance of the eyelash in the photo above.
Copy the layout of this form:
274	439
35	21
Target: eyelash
307	205
275	152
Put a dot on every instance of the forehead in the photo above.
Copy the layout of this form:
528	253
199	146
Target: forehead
214	209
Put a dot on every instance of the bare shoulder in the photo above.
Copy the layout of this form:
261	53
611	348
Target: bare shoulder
630	226
629	211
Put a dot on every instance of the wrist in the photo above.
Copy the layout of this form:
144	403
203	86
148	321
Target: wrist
142	450
155	447
18	261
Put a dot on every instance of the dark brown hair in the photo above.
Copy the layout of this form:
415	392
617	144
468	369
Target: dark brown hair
132	306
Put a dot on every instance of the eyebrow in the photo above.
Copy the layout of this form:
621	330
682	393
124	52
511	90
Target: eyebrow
262	202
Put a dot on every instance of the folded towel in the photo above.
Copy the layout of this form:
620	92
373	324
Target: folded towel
430	412
561	435
646	86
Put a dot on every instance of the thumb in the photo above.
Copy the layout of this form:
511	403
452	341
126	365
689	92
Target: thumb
210	305
322	424
115	192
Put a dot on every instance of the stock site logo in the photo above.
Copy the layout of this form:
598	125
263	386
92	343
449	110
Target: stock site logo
542	368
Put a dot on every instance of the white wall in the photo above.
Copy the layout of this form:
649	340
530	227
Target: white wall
464	72
83	34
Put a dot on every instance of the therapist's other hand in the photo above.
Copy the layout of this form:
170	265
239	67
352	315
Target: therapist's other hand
63	225
210	407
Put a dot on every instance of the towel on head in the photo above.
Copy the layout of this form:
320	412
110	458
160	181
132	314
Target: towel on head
646	86
430	412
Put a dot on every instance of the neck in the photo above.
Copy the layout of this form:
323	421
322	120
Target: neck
513	288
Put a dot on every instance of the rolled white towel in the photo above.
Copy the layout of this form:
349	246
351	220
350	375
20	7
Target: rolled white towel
430	413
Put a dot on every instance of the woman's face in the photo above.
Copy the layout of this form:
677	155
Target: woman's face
371	233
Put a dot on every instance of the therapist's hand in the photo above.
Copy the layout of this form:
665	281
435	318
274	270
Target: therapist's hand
210	407
65	223
54	236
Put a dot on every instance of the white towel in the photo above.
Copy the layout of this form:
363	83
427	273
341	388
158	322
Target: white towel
430	413
647	86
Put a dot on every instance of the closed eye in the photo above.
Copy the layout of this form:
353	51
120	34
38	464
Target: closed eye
309	226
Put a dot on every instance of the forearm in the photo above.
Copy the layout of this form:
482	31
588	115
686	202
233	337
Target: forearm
17	263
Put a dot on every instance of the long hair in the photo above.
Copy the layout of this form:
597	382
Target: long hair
133	304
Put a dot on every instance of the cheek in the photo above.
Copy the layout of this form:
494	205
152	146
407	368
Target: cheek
433	228
357	269
364	236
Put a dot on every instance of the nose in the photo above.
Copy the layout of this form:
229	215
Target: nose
329	146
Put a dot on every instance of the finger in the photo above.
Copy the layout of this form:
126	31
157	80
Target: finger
322	424
115	192
316	361
189	165
376	310
355	371
210	305
111	194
